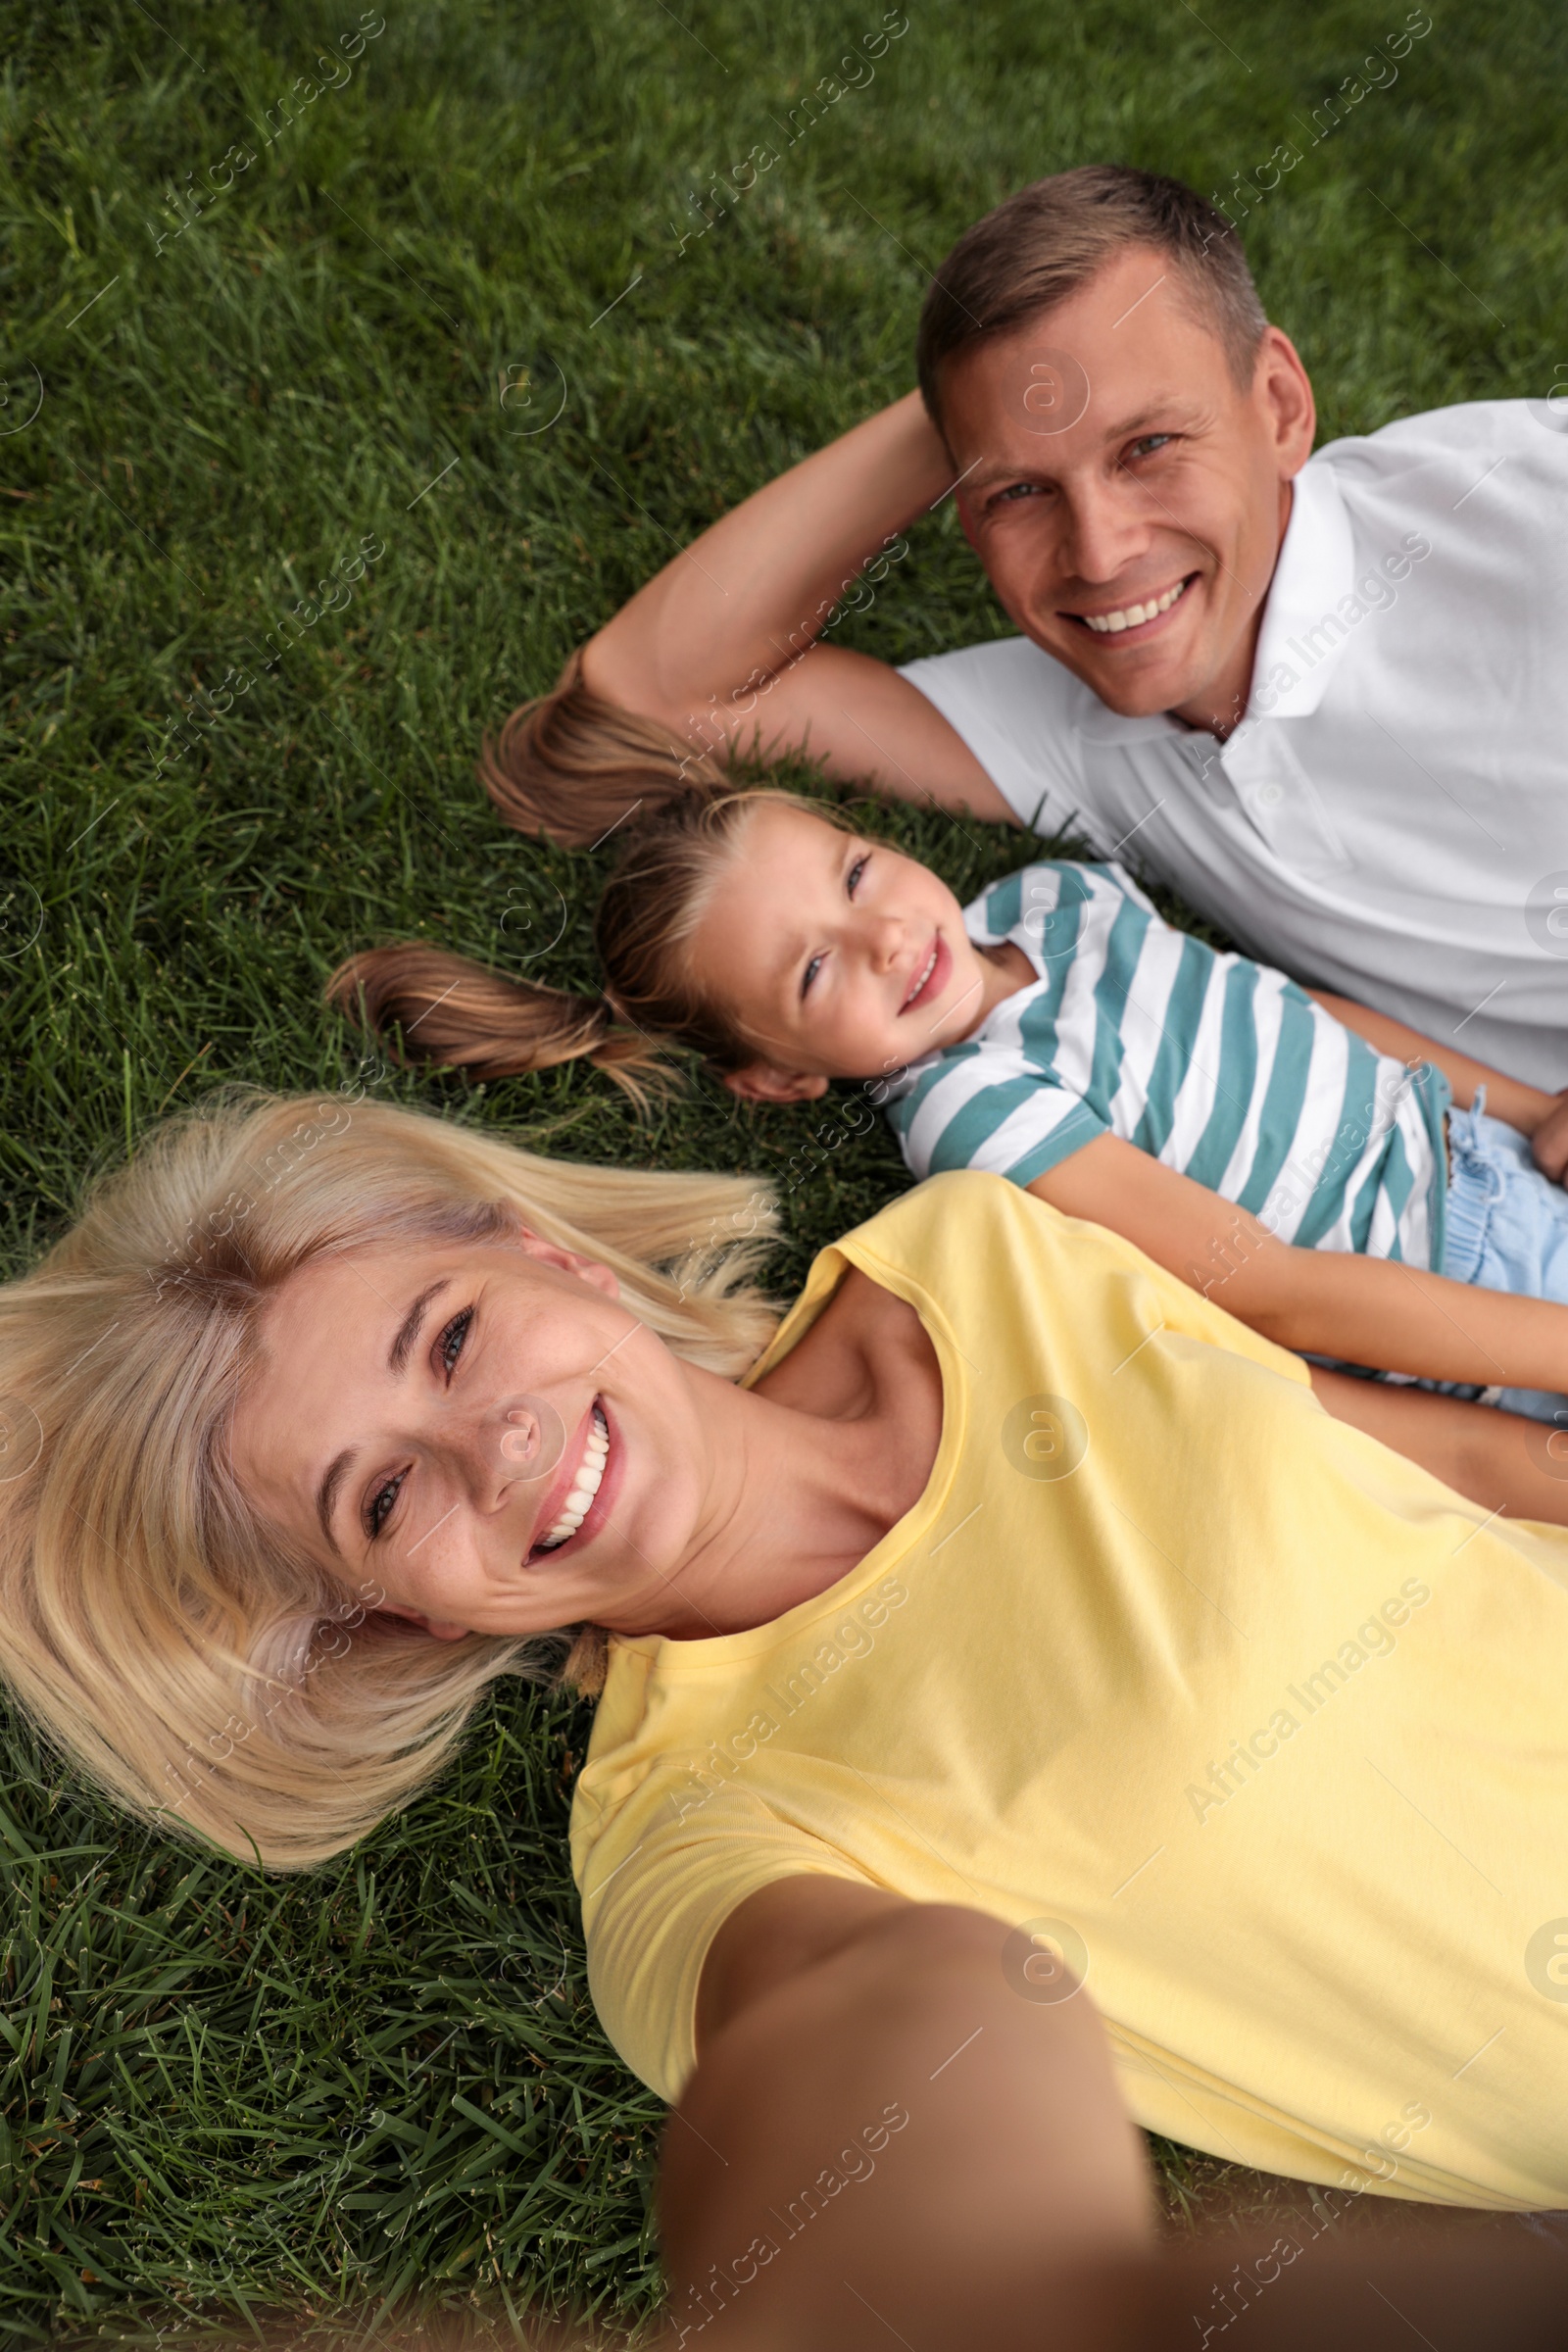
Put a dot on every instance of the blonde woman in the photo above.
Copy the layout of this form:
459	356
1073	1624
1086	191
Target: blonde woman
1026	1707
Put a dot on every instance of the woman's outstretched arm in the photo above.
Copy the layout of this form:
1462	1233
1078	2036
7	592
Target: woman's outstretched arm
1365	1310
887	2135
724	647
894	2136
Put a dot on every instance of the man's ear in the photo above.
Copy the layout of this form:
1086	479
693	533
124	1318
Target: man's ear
1283	387
766	1082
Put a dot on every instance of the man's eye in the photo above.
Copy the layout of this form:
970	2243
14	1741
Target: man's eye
1015	490
853	878
379	1509
449	1346
1149	442
809	974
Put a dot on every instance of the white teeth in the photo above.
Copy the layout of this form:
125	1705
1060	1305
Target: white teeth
930	967
584	1487
1132	616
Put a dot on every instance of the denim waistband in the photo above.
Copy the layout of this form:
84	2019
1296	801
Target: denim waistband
1474	1184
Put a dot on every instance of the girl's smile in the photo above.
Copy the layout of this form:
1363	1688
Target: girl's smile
933	976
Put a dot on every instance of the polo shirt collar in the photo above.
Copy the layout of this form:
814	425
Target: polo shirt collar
1314	570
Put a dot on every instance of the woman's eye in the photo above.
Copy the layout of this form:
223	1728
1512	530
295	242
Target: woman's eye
853	878
810	973
379	1509
449	1346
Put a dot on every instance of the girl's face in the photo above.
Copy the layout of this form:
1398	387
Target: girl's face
482	1431
837	958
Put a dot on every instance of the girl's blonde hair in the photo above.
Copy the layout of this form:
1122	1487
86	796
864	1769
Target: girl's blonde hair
576	768
198	1667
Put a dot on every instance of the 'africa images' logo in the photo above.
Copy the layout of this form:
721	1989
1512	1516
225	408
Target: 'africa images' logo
1547	1959
1045	1437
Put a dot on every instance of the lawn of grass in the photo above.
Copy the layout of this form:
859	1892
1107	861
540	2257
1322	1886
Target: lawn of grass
444	313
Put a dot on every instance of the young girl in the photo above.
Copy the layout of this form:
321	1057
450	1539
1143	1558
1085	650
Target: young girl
1326	1174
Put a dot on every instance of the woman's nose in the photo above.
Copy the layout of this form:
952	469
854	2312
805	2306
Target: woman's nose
517	1443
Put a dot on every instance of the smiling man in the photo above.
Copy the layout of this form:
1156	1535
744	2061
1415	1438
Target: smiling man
1325	697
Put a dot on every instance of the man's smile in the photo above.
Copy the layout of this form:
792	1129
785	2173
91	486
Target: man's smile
1137	618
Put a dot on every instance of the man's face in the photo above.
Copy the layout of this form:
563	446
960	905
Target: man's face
1126	496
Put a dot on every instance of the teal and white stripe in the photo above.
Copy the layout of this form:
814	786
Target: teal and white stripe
1218	1066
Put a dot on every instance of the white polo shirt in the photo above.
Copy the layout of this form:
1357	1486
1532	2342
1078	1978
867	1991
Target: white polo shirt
1390	817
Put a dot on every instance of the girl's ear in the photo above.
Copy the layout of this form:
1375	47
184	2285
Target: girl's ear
766	1082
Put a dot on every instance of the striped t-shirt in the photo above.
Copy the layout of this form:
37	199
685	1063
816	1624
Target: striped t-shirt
1218	1066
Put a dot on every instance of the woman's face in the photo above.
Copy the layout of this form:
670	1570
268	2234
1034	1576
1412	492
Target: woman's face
482	1431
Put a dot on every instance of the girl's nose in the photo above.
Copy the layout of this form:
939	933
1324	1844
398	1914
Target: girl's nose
887	939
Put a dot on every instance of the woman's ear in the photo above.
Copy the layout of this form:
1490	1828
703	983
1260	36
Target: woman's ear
549	1254
766	1082
439	1629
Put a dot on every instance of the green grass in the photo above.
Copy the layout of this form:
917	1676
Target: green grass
237	2096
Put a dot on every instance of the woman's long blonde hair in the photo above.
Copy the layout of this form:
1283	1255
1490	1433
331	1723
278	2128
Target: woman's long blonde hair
159	1633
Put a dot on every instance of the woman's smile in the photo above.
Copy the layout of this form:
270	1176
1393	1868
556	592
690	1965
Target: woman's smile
582	1489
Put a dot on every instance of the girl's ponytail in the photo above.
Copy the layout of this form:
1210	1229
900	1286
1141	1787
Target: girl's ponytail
571	765
454	1014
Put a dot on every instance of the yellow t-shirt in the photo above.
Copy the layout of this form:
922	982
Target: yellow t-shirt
1261	1726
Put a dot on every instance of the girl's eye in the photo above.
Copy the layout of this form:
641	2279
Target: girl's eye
853	878
449	1346
378	1509
809	974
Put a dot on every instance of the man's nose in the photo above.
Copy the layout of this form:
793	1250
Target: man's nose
1106	529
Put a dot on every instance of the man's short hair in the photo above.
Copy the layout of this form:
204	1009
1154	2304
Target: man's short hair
1052	237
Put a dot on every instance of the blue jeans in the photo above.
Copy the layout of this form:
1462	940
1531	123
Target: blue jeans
1508	1230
